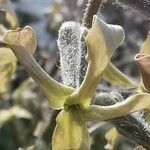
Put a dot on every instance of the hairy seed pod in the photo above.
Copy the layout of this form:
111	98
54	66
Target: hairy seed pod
69	40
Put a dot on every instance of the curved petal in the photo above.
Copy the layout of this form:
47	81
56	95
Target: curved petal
102	40
132	104
116	77
55	92
70	132
143	62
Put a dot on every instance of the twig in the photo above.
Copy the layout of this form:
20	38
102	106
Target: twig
91	9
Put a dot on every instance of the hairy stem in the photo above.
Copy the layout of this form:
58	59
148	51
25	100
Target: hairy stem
91	9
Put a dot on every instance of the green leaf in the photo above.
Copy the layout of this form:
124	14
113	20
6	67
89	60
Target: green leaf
131	104
116	77
70	132
7	67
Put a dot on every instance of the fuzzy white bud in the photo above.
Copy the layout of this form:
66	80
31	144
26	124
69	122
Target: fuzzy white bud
69	44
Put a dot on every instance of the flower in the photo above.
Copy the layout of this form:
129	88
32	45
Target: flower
75	103
143	61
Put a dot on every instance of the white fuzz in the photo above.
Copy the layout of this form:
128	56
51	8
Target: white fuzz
69	40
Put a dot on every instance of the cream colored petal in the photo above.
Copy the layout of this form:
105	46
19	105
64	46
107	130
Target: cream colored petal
7	67
132	104
23	49
102	40
117	78
70	132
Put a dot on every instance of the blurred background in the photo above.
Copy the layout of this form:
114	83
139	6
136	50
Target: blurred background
28	121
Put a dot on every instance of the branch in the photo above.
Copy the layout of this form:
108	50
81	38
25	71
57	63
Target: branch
91	9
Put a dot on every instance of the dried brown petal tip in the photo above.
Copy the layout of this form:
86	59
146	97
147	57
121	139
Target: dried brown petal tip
143	62
22	37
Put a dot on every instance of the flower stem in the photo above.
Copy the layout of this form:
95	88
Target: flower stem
91	9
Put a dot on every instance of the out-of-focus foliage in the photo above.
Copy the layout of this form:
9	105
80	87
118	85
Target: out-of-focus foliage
7	67
112	136
7	58
10	15
12	113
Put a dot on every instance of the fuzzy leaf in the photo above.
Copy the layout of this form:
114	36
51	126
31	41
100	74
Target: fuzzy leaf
70	132
23	49
116	77
7	67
